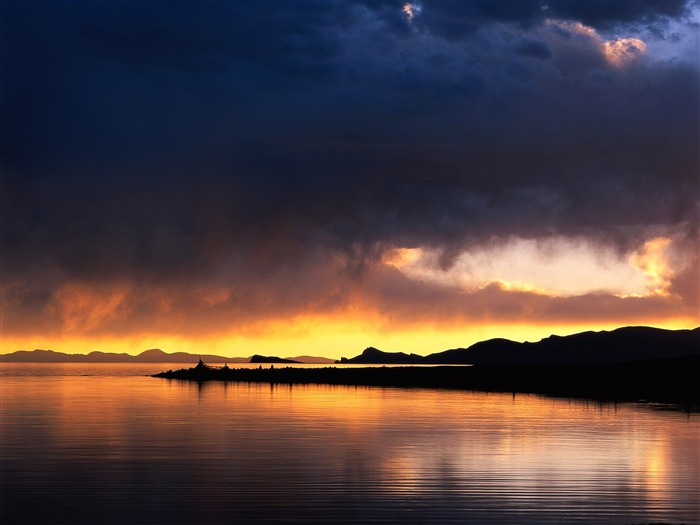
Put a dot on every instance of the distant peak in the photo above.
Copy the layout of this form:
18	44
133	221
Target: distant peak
152	351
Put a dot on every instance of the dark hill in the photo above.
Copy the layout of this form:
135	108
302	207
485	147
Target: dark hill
270	359
490	351
153	355
632	343
372	355
49	356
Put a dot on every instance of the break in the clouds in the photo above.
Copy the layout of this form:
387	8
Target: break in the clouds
214	166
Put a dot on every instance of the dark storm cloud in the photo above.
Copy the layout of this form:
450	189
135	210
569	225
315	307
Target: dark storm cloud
599	13
534	49
181	142
456	20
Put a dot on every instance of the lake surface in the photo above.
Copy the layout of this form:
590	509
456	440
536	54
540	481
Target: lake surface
85	443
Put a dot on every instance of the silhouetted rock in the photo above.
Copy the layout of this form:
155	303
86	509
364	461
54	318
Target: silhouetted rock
372	355
270	359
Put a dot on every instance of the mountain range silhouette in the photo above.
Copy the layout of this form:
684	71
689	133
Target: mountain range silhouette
153	355
632	343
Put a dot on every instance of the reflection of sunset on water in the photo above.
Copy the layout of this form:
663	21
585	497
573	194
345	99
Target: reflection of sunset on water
290	442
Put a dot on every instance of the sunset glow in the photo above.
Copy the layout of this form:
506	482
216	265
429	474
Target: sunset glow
549	266
349	261
623	50
317	178
411	10
653	260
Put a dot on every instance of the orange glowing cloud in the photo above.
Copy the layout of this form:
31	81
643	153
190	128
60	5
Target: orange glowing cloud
623	51
618	53
555	266
405	300
653	259
411	10
84	308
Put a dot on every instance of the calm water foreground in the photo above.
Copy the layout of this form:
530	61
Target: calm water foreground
84	443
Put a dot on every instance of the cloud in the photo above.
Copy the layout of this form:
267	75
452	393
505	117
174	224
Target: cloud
556	266
533	49
264	162
623	50
605	14
412	10
403	301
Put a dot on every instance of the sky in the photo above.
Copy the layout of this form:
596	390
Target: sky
312	178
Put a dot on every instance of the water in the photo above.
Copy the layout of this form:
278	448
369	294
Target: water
85	443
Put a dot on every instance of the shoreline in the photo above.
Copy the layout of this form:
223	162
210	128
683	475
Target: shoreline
656	381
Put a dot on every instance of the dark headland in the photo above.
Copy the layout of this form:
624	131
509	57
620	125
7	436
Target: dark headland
630	343
596	365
